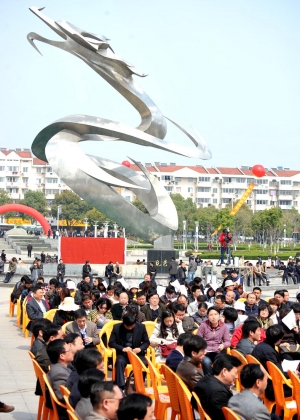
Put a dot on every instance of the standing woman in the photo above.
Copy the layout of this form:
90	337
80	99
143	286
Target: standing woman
167	332
152	270
216	334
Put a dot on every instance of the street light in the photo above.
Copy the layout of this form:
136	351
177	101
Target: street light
58	238
95	226
196	238
86	222
284	235
105	233
115	230
184	234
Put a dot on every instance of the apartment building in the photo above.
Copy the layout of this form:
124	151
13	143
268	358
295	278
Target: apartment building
20	172
220	186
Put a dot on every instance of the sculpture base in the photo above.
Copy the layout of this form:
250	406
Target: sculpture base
161	259
164	242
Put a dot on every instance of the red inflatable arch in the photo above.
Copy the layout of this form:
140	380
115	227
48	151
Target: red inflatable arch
27	210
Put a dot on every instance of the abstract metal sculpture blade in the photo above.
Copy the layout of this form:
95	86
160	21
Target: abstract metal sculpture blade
91	177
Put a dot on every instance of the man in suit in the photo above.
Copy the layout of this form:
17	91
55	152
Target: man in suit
60	355
177	354
36	307
86	329
125	337
118	308
50	333
247	404
214	390
147	278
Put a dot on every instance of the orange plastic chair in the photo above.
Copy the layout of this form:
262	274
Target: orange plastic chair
244	362
108	352
171	379
54	401
11	305
19	312
72	416
50	314
162	401
296	390
288	405
32	356
66	393
203	415
43	411
269	404
185	397
229	414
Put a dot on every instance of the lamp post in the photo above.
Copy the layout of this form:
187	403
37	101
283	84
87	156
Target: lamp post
58	238
115	230
123	232
196	238
184	234
105	233
95	226
85	223
284	235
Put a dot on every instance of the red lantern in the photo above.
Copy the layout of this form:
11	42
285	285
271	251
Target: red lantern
126	163
259	171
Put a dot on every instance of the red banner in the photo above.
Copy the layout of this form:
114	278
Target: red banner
97	250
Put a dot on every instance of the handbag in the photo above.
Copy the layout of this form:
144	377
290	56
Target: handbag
166	349
129	384
293	348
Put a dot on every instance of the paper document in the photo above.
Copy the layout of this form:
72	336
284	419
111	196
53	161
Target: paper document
123	282
290	365
290	320
105	284
183	290
161	290
213	286
176	284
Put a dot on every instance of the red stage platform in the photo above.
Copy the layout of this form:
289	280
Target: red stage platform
97	250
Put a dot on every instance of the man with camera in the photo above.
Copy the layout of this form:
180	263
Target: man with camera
225	239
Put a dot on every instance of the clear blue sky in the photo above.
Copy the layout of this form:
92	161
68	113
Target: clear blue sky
230	68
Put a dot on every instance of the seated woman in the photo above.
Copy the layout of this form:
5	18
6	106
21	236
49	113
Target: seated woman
289	347
201	315
101	315
274	305
216	334
210	295
65	312
167	332
264	316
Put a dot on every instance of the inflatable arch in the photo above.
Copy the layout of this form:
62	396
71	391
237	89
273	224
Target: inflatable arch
27	210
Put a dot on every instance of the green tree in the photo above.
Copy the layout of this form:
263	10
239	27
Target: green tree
291	220
6	199
95	214
186	210
243	221
36	200
73	207
223	218
139	205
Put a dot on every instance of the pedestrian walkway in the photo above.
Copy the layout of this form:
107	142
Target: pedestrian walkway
17	379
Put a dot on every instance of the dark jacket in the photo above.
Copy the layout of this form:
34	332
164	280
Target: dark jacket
173	267
62	317
117	311
43	359
213	395
174	359
251	311
148	313
188	324
141	285
189	372
86	270
61	268
37	345
34	312
139	339
181	273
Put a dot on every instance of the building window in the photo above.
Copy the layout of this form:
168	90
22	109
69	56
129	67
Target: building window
51	192
51	180
177	179
25	169
215	201
13	168
272	203
262	192
295	203
249	202
190	179
239	191
178	189
38	170
226	200
285	202
12	179
240	180
24	190
264	202
203	189
38	180
295	184
25	180
261	181
204	179
215	190
286	192
49	169
228	190
170	189
226	179
2	179
285	182
249	180
190	189
203	200
2	168
167	178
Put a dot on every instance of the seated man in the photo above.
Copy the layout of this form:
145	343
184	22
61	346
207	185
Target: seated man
154	309
118	308
188	369
60	356
23	284
220	303
177	354
251	336
87	304
169	295
125	337
254	380
84	288
188	323
193	307
105	398
38	331
37	307
87	329
50	333
85	382
251	307
147	278
214	390
136	406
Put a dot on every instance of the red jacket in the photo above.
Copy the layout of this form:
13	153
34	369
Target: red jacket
238	335
222	240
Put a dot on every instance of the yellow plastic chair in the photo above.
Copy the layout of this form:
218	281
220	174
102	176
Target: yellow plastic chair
43	411
65	392
50	314
11	306
229	414
19	312
244	362
149	325
108	352
203	415
296	390
73	293
287	404
25	319
241	300
54	401
65	326
185	397
171	379
162	401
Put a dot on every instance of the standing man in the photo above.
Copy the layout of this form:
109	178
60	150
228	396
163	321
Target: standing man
225	240
61	271
126	337
192	269
173	269
29	249
43	257
87	271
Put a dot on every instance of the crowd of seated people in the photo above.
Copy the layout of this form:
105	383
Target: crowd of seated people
193	334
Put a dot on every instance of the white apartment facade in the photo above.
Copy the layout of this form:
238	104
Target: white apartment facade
218	186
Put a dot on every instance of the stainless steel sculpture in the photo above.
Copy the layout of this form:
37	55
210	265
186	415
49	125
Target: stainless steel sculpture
91	177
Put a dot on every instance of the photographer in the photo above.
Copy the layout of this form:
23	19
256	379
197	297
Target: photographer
225	239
